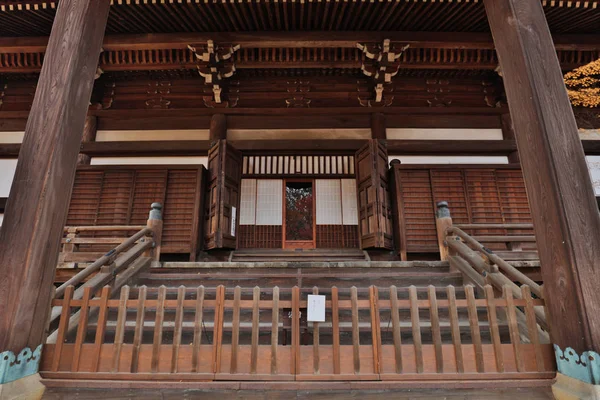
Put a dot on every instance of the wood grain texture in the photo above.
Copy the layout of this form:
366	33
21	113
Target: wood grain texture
566	219
45	171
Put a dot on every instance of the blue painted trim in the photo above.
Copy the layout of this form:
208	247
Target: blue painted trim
585	367
16	367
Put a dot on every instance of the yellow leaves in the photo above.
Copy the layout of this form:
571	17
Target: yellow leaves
583	85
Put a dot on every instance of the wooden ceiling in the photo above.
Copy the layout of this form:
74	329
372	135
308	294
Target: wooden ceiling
34	17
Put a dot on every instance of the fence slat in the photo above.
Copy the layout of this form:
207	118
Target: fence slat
63	327
316	356
375	328
218	328
198	327
274	330
82	328
295	359
475	331
235	329
513	327
335	326
355	331
532	327
158	327
396	328
416	327
435	329
139	328
177	329
100	327
460	366
255	320
120	328
493	324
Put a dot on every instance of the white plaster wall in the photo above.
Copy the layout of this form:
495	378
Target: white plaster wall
594	168
450	159
443	134
11	137
7	173
182	160
145	135
1	218
589	134
293	134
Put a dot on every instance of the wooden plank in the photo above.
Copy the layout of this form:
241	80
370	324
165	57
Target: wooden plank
295	358
63	326
218	330
255	329
81	329
316	355
179	311
45	172
120	329
515	337
355	331
566	218
235	329
396	328
274	330
375	328
493	326
435	329
335	330
474	325
100	327
451	147
532	327
198	320
158	328
416	328
453	311
139	329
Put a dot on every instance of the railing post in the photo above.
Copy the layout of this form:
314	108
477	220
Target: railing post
155	222
443	221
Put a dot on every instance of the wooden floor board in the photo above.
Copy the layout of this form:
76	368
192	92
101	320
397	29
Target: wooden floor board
413	394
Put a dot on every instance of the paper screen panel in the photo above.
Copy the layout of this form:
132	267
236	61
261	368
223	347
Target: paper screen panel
248	202
329	202
269	202
349	204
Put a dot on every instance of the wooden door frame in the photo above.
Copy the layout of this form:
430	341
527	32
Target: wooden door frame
314	209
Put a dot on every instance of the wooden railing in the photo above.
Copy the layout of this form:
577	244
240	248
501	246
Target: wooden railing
393	334
115	268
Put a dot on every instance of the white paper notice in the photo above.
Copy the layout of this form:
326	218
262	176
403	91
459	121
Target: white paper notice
233	220
316	308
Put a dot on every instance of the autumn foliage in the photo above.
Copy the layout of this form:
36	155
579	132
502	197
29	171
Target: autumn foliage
583	85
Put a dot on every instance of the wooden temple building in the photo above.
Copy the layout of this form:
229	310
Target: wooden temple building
178	176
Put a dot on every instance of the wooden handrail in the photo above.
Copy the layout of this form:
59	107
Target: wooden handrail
102	261
494	226
103	228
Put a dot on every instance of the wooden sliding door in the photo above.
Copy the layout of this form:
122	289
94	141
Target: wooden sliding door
299	211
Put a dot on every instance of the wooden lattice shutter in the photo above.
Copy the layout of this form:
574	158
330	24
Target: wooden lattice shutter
150	187
513	196
116	197
85	198
449	185
223	196
374	211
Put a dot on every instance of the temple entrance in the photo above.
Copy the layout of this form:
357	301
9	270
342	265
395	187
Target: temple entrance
299	214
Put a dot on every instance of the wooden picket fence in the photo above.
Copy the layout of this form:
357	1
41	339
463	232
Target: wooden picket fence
235	334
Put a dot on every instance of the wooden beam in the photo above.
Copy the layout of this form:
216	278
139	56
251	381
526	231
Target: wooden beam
146	148
39	198
451	147
564	209
89	135
218	127
378	126
320	39
9	150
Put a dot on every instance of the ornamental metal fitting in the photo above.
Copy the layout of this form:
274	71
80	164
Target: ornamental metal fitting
14	367
585	367
156	211
442	210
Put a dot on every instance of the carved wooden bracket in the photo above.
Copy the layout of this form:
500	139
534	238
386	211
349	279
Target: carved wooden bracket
380	64
216	65
438	88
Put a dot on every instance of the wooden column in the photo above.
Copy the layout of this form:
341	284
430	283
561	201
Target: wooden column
218	128
89	135
564	210
378	126
37	210
508	133
443	221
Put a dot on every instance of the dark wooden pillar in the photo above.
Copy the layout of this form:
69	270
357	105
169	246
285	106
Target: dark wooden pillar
39	198
564	210
378	126
218	127
89	135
